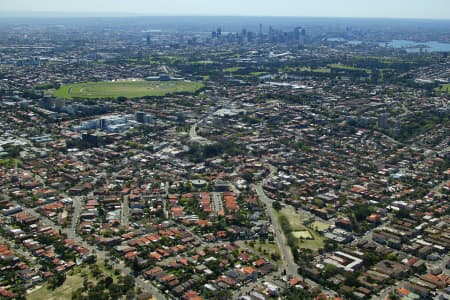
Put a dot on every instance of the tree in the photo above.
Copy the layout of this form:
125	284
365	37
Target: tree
403	213
351	278
362	212
330	245
294	293
115	291
371	257
121	99
78	294
223	294
127	283
130	294
97	294
56	281
95	270
108	281
393	296
276	205
330	271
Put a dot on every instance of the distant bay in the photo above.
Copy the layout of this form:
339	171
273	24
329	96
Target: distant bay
415	47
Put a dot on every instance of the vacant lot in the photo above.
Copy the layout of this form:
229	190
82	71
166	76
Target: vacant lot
129	89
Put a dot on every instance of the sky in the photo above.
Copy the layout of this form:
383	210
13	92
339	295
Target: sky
414	9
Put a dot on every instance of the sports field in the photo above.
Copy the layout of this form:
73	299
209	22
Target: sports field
129	89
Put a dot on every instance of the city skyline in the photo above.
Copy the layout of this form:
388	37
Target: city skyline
415	9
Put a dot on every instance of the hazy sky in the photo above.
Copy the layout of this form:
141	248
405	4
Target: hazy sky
425	9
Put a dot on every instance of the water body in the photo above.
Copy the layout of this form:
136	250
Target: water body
408	46
336	39
342	40
415	47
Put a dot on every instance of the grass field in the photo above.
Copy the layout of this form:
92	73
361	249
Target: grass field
257	73
444	88
296	221
308	69
344	67
319	226
74	281
303	234
10	162
232	69
129	89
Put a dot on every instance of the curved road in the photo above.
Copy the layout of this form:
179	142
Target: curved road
195	137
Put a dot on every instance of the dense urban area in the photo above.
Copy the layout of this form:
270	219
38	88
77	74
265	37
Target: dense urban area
198	158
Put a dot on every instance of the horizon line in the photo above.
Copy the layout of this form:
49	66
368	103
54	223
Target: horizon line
86	14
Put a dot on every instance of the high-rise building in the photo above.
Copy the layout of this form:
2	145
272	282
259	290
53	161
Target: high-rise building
102	123
297	33
140	116
383	121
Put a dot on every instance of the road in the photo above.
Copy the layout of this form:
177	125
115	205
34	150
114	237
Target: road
195	137
193	132
193	233
405	109
77	203
165	200
286	255
125	212
216	202
438	187
392	140
18	250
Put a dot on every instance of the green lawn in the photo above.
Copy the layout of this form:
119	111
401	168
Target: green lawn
319	225
129	89
257	73
344	67
303	234
74	281
296	221
444	88
10	162
321	70
307	69
232	69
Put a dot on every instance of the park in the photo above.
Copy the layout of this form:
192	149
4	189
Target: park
128	89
